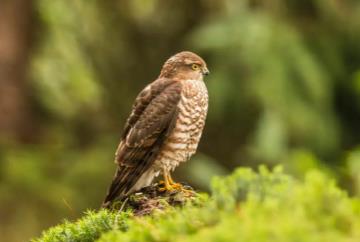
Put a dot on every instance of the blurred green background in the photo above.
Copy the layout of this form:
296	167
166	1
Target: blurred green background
284	89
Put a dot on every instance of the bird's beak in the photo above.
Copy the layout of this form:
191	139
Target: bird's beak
205	71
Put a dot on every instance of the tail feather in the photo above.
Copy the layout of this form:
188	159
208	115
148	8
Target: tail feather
124	180
119	186
126	176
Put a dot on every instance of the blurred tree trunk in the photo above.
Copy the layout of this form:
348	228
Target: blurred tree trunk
15	37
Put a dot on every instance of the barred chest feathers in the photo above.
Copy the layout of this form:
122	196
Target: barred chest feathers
183	141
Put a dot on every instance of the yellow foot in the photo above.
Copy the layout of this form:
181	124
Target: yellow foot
163	189
175	186
166	187
170	185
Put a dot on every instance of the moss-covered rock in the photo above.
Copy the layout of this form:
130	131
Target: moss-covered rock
246	206
153	198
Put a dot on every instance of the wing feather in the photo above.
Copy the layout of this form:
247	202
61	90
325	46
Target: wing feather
151	121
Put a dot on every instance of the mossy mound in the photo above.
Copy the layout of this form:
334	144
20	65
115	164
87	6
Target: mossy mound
152	198
245	206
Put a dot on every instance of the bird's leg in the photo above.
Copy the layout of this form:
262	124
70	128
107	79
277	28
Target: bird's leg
171	181
167	182
173	184
179	186
170	184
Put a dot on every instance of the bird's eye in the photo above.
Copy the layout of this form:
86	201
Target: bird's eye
195	67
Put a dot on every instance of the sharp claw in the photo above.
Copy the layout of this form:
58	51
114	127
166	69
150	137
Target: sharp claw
165	187
169	185
162	189
175	186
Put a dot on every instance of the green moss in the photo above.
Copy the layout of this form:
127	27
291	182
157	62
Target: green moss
89	228
246	206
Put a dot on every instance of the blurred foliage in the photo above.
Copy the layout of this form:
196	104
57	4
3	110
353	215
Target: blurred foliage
284	88
246	206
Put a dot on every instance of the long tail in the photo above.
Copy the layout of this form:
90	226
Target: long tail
120	185
126	176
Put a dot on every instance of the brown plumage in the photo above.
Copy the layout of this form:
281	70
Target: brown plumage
164	127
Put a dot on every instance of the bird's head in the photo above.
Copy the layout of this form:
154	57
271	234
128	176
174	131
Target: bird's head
185	65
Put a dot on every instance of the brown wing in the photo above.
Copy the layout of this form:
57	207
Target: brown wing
143	100
153	117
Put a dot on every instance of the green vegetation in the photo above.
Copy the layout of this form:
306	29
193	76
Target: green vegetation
284	89
245	206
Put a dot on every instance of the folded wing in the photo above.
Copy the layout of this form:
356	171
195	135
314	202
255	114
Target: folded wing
151	121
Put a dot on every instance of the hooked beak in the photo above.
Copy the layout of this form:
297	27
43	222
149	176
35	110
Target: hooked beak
205	71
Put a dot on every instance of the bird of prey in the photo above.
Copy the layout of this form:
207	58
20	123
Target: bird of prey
164	127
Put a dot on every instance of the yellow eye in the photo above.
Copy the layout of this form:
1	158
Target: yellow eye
195	67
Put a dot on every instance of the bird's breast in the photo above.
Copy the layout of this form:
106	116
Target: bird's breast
184	138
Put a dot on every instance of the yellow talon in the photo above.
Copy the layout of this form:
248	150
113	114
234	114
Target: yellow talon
167	184
170	185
